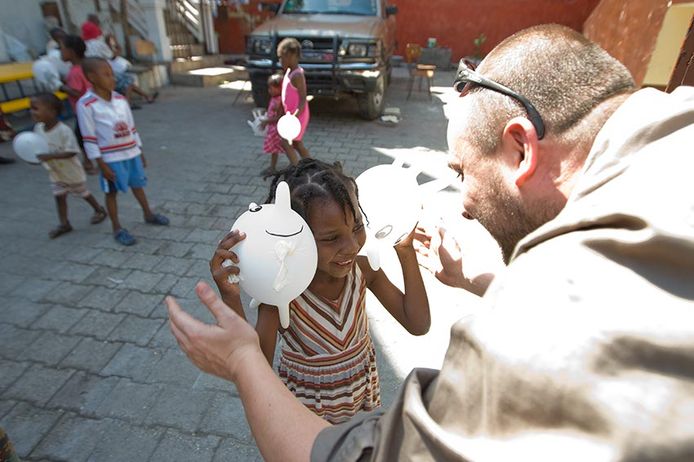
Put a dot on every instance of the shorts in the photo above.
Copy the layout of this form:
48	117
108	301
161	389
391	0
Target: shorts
129	173
123	81
79	189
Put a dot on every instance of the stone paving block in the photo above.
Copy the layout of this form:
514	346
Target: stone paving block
174	249
184	287
179	446
38	384
130	401
136	330
212	383
11	371
59	318
146	244
133	362
6	406
138	303
97	324
73	272
125	442
67	293
163	338
111	258
26	425
217	187
221	199
199	269
139	261
174	368
103	298
73	438
35	289
167	283
50	348
173	233
230	449
14	340
83	393
197	196
181	408
173	265
198	221
9	281
22	312
195	208
226	417
108	277
91	355
177	207
204	236
83	254
203	251
141	280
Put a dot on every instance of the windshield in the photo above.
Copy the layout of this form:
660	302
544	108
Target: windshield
358	7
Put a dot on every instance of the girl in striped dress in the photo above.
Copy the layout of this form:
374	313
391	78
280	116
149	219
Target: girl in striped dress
327	358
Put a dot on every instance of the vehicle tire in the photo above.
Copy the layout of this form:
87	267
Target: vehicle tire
371	104
260	95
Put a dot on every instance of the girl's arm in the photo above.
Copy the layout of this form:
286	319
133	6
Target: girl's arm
299	81
229	292
277	114
267	326
410	309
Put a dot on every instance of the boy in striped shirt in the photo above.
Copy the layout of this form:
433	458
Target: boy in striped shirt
110	138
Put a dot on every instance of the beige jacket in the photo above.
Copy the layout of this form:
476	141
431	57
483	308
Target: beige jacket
586	352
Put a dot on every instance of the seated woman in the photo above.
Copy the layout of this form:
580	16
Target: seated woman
125	80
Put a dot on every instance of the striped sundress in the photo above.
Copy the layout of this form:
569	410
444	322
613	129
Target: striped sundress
327	358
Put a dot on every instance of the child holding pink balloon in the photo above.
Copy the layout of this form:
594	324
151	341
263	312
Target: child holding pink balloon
294	95
273	141
64	168
327	356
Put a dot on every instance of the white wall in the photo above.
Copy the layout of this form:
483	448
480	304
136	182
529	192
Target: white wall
23	20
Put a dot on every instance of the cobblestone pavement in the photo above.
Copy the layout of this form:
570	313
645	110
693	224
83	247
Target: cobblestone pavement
88	367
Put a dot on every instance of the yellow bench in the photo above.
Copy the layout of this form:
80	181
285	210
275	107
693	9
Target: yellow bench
21	104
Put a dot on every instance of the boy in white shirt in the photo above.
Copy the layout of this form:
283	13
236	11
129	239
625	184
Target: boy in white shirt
110	138
65	170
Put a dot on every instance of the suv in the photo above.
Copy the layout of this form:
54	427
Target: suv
346	47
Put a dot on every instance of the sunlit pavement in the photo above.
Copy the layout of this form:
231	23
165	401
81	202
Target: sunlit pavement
89	369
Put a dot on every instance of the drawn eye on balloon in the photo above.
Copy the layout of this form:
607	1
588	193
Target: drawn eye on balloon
394	210
278	258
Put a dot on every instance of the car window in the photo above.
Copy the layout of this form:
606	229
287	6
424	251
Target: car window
358	7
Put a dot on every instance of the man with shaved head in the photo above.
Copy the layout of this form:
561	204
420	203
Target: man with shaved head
585	348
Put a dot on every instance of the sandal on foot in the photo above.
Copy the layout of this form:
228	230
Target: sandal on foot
98	217
122	236
153	98
157	219
59	231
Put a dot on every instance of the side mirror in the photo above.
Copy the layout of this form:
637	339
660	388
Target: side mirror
391	10
267	6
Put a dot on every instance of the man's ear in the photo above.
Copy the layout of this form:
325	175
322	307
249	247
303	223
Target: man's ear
520	137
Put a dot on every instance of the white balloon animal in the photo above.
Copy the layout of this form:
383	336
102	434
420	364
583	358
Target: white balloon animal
278	258
392	200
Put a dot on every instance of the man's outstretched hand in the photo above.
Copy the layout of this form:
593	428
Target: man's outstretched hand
216	349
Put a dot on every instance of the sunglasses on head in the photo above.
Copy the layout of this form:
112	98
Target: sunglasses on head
467	76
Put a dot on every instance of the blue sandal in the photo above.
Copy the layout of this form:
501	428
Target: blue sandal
124	237
157	219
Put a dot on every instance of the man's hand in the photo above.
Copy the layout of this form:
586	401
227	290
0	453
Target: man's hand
106	171
144	161
216	349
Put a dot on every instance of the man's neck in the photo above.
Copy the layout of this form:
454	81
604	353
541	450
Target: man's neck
102	93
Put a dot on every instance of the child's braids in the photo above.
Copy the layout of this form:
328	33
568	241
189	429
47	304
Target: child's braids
312	179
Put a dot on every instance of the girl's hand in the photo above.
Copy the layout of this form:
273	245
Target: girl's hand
216	349
408	240
221	274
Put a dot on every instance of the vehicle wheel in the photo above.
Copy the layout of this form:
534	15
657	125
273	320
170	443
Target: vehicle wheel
260	95
371	104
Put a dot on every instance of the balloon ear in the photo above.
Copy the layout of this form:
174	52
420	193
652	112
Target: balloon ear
282	198
284	314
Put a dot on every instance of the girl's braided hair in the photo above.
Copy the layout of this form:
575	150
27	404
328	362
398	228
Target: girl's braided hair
312	179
